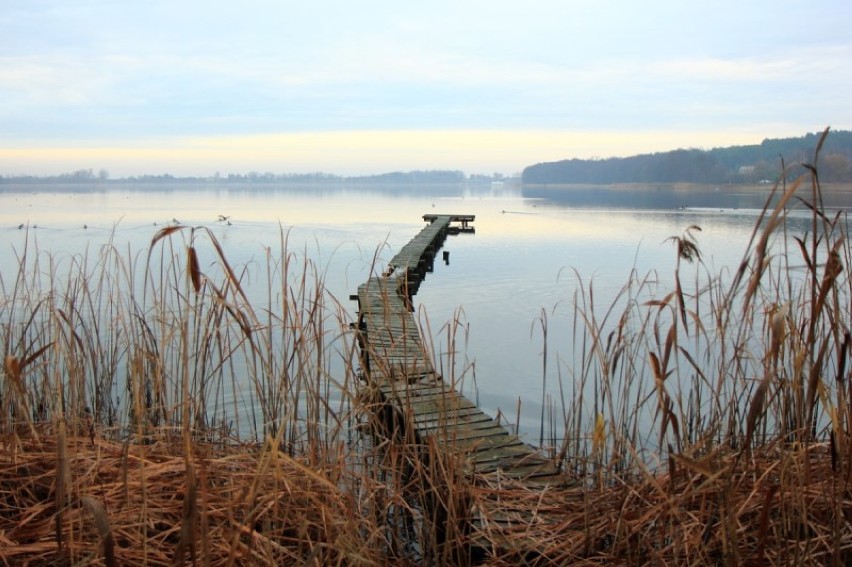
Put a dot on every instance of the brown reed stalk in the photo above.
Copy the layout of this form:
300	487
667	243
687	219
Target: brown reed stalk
101	519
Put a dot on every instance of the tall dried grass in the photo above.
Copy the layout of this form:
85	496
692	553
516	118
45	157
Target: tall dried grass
152	411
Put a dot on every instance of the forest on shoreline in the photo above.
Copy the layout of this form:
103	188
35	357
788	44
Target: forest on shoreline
758	163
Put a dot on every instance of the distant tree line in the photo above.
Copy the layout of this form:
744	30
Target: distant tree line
79	176
736	164
432	176
398	177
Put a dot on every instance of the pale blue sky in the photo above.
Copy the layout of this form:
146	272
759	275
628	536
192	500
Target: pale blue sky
192	87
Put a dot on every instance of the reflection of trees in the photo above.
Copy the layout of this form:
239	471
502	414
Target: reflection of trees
660	198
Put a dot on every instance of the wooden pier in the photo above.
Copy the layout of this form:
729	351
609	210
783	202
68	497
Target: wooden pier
398	365
414	261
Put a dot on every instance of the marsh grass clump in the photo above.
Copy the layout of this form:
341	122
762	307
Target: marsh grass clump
157	409
151	412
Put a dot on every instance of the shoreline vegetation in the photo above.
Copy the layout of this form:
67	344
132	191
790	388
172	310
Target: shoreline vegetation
151	414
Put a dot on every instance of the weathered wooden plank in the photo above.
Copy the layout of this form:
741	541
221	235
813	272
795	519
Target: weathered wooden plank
515	452
400	373
425	425
480	439
469	429
437	406
483	450
471	432
447	416
416	390
517	468
420	407
385	343
407	347
424	392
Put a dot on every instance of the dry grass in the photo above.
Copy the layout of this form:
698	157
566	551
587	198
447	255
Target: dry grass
256	505
151	412
787	507
135	504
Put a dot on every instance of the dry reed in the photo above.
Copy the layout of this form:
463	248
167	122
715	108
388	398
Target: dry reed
131	504
158	414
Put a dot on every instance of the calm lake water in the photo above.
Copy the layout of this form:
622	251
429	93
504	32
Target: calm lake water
531	252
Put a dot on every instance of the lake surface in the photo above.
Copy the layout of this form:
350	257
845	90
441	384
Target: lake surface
533	250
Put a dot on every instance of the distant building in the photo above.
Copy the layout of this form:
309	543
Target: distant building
746	170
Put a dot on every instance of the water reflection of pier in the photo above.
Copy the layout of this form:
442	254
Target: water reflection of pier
418	405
